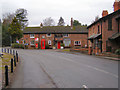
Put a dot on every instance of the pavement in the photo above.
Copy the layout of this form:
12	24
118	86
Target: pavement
52	69
104	57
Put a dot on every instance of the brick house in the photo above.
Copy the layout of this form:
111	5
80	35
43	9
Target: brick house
57	36
104	34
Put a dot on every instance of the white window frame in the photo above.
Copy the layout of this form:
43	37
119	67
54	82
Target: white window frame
78	43
66	35
49	42
32	43
48	35
32	36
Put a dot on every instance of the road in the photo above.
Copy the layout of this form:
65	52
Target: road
51	69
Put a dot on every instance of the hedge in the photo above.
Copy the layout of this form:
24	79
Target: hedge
16	45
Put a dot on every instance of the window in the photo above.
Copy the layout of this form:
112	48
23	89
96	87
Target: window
32	36
49	42
110	24
65	35
77	43
32	42
43	36
49	35
98	29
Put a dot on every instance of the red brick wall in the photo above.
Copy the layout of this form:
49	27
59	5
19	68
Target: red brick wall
105	32
73	37
79	37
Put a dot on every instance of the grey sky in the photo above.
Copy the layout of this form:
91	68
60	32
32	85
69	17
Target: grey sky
82	10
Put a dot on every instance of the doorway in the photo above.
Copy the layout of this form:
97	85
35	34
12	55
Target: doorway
43	44
58	45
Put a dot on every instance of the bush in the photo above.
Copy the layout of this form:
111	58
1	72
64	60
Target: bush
117	52
16	45
26	46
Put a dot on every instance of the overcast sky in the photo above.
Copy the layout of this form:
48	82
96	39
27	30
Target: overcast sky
82	10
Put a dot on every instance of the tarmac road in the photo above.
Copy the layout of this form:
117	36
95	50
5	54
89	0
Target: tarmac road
51	69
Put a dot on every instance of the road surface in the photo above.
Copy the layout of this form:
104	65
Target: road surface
51	69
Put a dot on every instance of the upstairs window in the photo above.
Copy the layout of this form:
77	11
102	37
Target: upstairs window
98	29
49	35
32	36
77	43
109	24
65	35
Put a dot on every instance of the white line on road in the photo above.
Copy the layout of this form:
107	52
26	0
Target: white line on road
91	67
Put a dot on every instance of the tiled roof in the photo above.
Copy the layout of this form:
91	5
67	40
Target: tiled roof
94	36
106	17
55	29
114	36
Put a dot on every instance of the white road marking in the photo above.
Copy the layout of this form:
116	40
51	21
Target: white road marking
91	67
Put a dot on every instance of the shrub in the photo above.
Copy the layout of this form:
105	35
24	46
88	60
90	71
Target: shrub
117	52
26	46
16	45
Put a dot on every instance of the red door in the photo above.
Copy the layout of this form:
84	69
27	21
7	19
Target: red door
58	45
43	44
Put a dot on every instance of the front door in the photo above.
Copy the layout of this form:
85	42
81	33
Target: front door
58	45
43	44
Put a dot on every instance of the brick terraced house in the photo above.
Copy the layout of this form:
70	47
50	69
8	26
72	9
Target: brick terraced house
104	34
57	36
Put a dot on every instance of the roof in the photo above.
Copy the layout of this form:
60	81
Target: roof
115	36
94	36
55	29
104	18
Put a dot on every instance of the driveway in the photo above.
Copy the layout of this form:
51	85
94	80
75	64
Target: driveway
51	69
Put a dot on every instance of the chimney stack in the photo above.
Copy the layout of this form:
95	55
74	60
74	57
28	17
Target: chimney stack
71	23
104	13
116	5
41	25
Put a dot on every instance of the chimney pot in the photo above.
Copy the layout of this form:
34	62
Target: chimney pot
104	13
71	23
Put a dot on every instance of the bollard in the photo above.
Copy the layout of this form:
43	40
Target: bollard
16	53
11	65
13	52
17	56
6	76
8	50
5	50
14	61
2	49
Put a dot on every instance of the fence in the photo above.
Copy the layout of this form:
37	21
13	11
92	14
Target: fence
12	65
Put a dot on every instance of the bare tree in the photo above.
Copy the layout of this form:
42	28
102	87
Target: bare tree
7	18
48	22
97	17
61	22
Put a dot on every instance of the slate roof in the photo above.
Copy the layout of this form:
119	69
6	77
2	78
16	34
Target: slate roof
94	36
114	36
55	30
105	18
